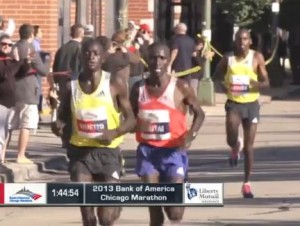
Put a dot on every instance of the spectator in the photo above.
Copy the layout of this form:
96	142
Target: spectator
9	68
67	63
88	32
7	27
25	114
115	58
120	39
182	50
200	56
38	34
67	58
132	30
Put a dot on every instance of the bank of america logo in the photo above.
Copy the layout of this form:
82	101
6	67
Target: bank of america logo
191	192
27	192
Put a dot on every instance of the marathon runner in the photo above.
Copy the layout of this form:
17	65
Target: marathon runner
95	101
245	73
160	103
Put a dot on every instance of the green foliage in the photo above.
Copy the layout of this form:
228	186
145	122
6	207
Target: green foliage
243	12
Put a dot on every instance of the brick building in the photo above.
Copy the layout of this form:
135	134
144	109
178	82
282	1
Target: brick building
49	14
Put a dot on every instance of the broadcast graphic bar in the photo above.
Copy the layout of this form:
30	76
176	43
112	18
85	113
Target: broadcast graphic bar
104	194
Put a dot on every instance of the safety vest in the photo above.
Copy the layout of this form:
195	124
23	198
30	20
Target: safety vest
93	113
238	77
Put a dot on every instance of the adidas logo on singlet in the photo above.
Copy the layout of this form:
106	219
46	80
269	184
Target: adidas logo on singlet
101	94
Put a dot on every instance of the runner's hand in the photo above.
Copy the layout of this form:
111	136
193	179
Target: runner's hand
254	84
190	136
57	128
108	136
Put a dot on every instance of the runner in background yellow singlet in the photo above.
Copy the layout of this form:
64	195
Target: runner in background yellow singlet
244	73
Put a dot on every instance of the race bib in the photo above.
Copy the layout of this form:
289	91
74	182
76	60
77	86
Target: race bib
239	84
155	124
91	123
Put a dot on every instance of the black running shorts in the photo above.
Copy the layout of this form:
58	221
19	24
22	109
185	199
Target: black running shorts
247	111
105	162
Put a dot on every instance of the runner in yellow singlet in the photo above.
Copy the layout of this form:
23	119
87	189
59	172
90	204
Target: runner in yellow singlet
91	109
244	74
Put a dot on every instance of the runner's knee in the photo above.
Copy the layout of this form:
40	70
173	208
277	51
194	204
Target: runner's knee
175	213
88	216
79	172
156	216
232	140
108	215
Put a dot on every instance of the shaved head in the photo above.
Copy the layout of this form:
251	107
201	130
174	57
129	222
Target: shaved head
159	55
242	42
156	46
242	31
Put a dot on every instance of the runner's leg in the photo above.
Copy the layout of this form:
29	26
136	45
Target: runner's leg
233	121
156	212
250	128
80	173
110	159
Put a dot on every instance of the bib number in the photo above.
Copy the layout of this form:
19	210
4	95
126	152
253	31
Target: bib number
239	84
91	123
155	124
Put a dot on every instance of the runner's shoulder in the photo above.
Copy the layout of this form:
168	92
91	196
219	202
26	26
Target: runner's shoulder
183	86
258	55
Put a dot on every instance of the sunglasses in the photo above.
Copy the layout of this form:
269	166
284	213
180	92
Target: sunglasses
6	44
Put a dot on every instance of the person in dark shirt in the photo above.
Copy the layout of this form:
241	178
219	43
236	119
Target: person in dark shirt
67	62
9	68
121	40
67	58
115	57
182	51
201	55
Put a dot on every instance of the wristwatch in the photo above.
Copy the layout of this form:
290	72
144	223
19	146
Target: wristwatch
194	135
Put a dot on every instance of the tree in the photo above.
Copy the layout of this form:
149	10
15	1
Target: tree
243	12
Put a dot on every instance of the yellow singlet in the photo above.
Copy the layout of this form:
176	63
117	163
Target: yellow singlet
93	113
238	77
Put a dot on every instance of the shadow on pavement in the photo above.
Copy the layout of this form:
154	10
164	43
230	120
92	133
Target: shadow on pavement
284	203
271	164
248	222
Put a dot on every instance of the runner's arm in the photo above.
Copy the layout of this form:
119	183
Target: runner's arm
174	54
62	125
129	121
191	101
220	73
134	96
262	73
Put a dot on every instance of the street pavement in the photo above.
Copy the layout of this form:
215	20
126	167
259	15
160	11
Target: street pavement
275	178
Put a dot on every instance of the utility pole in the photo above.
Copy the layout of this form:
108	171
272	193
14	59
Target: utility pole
123	14
81	15
65	20
275	15
206	90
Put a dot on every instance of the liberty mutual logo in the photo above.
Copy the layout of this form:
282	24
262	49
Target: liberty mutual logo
191	192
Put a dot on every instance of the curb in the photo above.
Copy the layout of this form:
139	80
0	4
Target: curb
19	173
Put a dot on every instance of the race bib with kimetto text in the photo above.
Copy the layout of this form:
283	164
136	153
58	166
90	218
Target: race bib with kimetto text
91	123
